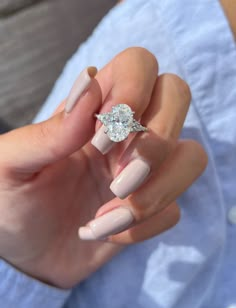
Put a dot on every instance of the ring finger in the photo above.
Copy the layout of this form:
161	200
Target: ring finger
128	79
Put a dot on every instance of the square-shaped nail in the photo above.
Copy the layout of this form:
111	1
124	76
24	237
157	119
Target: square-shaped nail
101	141
130	178
110	223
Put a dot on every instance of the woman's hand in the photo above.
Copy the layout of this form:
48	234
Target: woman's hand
54	181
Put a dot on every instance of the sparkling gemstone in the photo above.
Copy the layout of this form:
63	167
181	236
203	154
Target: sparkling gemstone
120	122
137	127
117	133
122	114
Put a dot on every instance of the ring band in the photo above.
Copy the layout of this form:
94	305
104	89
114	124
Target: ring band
120	122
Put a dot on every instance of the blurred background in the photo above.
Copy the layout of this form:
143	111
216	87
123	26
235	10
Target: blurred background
37	37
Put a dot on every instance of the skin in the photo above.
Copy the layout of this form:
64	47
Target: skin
52	180
229	7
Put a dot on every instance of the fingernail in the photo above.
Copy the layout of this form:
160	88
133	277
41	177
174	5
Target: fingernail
110	223
81	84
101	141
130	178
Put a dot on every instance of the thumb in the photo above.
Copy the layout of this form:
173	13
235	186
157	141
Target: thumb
31	148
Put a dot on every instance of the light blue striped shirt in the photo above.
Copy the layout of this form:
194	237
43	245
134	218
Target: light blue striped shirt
192	265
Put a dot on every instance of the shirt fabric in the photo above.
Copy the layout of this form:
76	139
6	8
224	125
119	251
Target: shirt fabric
193	264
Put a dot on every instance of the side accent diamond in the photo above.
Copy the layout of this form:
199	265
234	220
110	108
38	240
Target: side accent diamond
137	127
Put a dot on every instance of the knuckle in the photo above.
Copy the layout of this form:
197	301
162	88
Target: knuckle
150	144
140	212
181	86
198	153
170	145
43	133
149	58
176	214
171	215
147	55
143	54
167	145
145	206
202	156
44	138
174	221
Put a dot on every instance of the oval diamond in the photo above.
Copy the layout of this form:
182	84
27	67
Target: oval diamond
120	122
122	114
117	132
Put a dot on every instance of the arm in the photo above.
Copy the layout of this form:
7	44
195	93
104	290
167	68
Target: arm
21	291
229	7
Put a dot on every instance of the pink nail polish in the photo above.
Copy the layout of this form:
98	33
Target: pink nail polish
130	178
81	84
110	223
101	141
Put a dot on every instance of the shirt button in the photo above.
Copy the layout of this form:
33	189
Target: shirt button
232	217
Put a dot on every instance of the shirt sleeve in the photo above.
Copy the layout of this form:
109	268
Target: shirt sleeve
21	291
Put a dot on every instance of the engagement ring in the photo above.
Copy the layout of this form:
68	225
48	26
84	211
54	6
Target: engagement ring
120	122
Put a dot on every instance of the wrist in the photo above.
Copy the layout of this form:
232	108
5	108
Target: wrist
42	274
19	290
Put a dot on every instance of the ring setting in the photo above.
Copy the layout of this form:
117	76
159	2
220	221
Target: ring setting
120	122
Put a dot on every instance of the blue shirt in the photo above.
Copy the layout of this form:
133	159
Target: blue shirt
193	264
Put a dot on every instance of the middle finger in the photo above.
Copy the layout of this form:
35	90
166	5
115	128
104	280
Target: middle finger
164	118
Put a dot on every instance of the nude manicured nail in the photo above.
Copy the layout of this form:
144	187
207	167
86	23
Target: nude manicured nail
130	178
81	84
110	223
101	141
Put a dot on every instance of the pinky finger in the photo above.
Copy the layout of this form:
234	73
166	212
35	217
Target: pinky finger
154	225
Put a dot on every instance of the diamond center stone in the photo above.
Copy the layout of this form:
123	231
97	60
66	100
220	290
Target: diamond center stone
120	122
122	115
